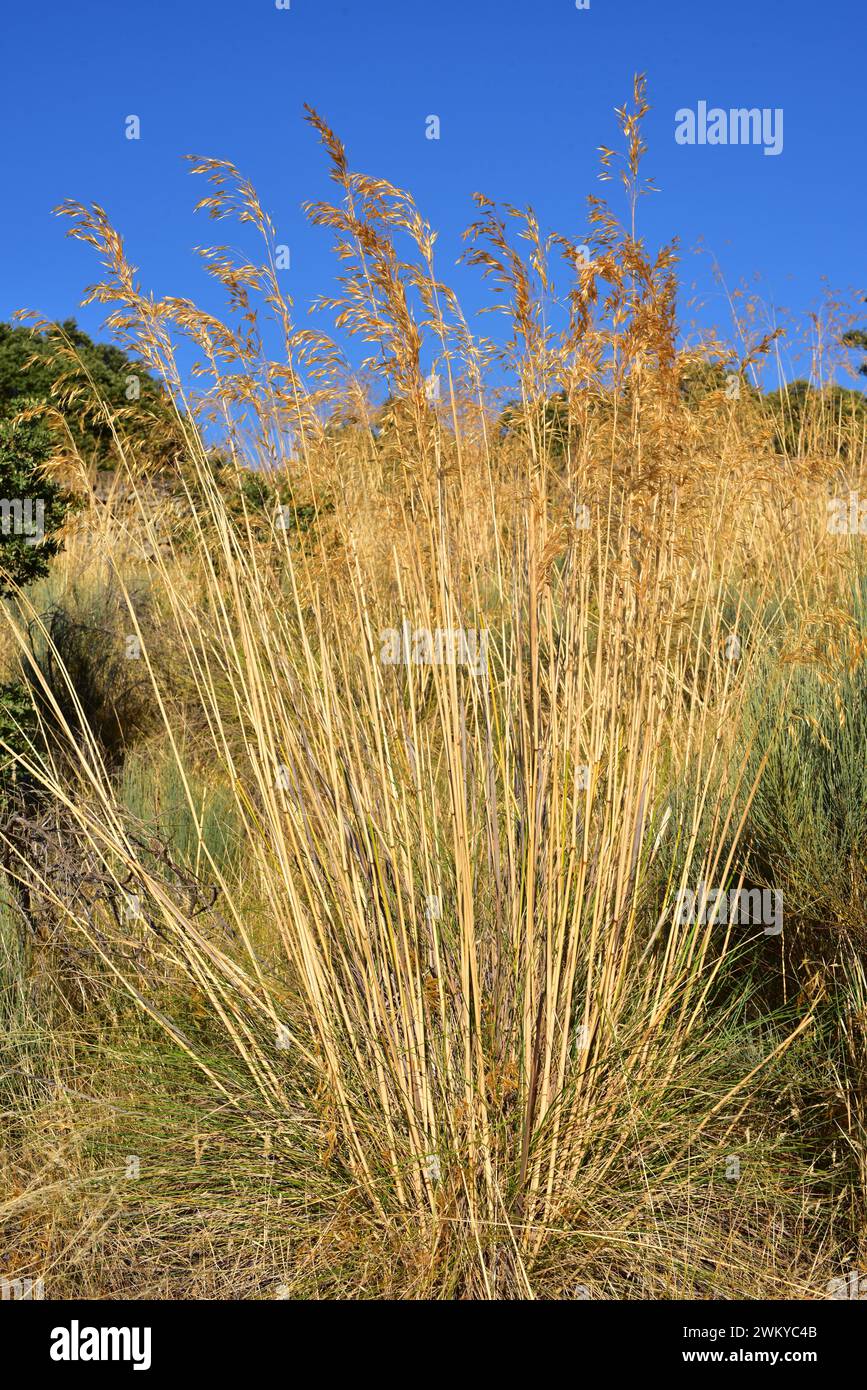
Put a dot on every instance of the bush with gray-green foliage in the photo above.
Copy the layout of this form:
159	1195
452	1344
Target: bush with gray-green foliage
807	826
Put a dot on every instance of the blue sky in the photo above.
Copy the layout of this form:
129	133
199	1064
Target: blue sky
524	91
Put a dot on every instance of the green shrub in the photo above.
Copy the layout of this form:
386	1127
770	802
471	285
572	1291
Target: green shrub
32	507
807	826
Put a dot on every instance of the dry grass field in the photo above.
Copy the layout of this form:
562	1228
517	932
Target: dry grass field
393	760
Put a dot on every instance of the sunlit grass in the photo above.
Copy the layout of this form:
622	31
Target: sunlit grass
405	1006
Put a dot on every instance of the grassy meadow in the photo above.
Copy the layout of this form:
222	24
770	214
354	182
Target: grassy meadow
375	756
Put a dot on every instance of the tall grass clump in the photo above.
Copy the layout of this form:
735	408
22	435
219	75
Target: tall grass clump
473	730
